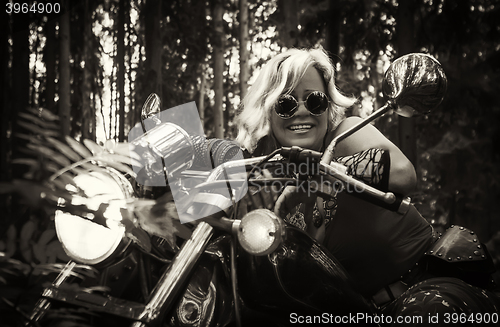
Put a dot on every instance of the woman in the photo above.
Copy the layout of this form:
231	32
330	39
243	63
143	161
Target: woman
295	101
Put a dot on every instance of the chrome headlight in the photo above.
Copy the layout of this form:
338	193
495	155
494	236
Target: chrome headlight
260	232
83	240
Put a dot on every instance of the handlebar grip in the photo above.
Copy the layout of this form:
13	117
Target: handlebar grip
388	200
297	154
400	204
210	153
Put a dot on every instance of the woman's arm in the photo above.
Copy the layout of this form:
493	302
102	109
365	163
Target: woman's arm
402	177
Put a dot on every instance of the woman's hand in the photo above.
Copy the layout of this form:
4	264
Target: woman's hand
290	199
258	196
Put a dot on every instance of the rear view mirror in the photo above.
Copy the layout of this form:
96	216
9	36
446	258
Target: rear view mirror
415	82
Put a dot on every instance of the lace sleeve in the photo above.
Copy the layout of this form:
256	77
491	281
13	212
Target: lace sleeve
370	166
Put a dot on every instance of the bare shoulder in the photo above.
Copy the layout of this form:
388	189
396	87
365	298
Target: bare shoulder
346	124
366	138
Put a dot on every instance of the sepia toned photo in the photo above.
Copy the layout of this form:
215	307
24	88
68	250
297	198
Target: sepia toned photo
250	163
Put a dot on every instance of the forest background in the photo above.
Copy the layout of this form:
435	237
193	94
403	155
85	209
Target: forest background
94	64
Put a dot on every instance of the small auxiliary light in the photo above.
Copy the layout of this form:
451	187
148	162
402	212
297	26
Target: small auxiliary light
260	232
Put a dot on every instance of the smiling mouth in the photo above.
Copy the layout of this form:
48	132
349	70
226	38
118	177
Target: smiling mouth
300	128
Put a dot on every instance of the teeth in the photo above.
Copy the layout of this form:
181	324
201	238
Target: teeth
296	127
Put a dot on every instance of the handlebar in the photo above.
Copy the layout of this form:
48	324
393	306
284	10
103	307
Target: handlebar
332	172
386	200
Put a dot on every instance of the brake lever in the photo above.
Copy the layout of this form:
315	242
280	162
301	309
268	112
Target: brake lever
387	200
298	154
338	171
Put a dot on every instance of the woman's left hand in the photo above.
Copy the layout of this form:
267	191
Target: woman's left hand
402	177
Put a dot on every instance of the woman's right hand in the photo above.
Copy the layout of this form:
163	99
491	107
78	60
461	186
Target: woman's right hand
259	196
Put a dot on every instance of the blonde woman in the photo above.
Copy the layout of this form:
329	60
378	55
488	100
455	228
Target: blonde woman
294	101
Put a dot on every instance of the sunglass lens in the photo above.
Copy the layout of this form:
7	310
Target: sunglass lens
317	103
286	106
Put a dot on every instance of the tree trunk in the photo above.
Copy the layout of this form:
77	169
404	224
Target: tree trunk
333	31
88	118
20	81
405	26
153	81
291	21
20	62
244	51
201	99
121	70
6	112
129	50
218	70
64	72
50	63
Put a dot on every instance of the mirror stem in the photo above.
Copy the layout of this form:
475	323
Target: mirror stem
150	109
330	151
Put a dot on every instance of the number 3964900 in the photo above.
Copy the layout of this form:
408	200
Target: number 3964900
35	8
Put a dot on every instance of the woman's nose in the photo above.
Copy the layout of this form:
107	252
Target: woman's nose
301	109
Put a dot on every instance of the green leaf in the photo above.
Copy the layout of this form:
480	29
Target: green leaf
93	167
44	113
51	167
126	149
30	192
38	130
65	149
26	161
92	146
63	180
24	136
182	231
139	236
78	147
50	154
38	121
74	167
118	158
158	218
109	144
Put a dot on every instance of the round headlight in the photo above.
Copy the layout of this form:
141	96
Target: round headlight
260	232
83	240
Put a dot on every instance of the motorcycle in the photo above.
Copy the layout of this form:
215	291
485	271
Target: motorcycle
219	268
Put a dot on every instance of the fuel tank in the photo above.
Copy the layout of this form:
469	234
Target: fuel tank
301	276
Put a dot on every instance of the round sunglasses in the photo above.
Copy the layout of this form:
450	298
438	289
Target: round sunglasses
316	102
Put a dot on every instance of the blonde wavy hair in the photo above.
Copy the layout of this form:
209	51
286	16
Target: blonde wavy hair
280	76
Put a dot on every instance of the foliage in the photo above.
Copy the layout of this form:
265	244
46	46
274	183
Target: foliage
52	183
54	165
68	160
460	160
